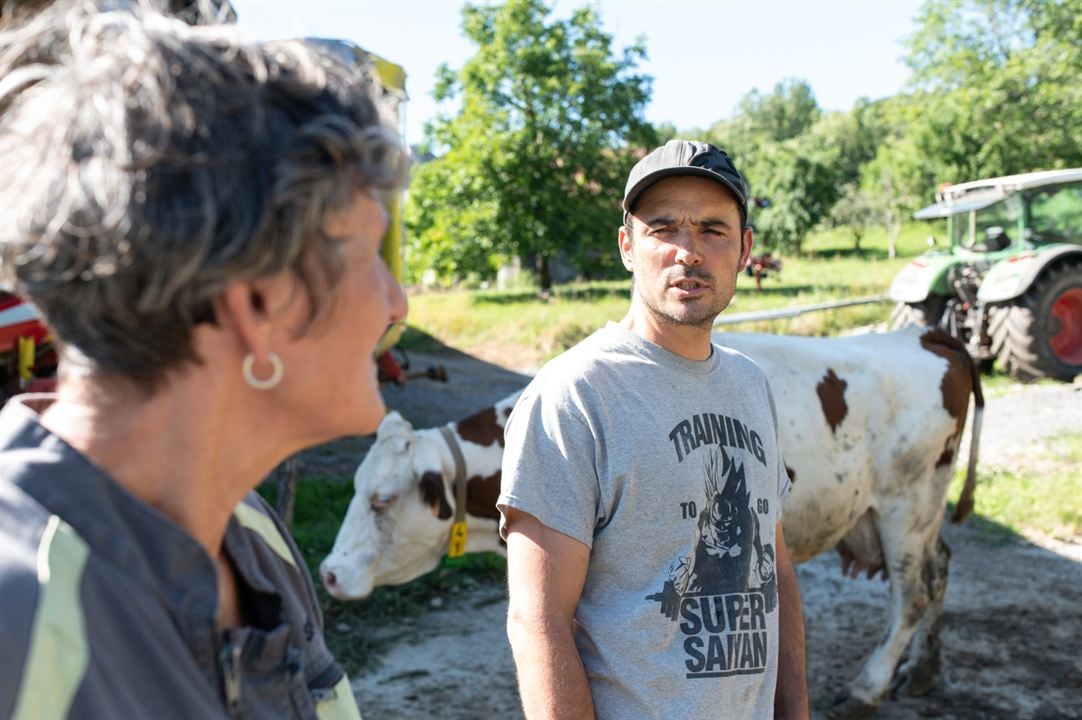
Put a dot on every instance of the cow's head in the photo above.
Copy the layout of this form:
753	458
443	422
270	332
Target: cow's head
399	520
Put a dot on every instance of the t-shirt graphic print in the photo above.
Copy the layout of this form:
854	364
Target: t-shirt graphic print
720	593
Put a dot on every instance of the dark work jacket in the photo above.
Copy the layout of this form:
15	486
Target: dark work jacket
109	608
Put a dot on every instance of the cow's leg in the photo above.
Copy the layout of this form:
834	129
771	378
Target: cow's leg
918	671
904	552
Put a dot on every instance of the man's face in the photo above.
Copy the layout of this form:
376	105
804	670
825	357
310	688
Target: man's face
686	250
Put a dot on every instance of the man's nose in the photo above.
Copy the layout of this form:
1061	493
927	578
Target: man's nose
687	250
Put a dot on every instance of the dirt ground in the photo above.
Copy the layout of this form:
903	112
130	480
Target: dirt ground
1011	629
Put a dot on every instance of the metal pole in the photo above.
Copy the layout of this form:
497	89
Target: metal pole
794	311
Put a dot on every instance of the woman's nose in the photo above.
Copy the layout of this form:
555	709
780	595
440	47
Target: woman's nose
396	299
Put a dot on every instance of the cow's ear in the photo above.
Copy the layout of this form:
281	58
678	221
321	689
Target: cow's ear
435	495
393	424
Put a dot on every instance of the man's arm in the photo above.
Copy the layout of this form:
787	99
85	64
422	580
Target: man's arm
545	573
791	696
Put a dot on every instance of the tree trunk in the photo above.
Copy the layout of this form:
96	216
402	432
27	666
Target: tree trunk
894	228
544	277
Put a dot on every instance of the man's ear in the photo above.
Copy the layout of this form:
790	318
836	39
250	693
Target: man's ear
623	239
747	239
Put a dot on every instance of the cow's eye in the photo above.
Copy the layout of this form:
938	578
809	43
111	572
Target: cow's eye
380	503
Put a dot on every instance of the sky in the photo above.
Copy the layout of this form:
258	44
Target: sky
704	55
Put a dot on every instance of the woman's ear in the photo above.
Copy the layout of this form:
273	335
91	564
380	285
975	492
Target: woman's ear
261	312
241	311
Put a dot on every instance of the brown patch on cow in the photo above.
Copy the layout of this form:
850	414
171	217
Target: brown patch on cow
956	385
481	495
831	392
434	494
791	473
481	428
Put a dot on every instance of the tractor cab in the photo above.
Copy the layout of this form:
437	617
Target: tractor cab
1009	281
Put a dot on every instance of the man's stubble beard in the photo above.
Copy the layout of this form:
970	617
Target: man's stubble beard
703	319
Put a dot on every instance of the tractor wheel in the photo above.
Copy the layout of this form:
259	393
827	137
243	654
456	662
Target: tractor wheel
926	313
1040	334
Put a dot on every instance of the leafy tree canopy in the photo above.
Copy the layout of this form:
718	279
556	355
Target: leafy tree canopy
535	158
995	90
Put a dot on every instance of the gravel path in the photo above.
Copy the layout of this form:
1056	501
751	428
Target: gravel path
1010	633
1023	415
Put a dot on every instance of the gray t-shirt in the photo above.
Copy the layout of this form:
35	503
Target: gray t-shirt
669	470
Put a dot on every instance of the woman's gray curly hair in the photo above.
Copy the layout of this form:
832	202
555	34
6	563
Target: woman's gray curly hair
147	164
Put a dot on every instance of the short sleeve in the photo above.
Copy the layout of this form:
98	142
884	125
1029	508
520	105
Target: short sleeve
549	466
785	483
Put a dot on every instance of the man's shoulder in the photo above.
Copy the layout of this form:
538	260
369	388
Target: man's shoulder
596	354
737	362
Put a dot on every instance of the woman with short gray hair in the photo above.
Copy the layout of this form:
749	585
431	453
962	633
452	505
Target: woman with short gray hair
198	220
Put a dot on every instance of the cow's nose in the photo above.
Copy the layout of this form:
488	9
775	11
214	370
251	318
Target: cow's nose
329	578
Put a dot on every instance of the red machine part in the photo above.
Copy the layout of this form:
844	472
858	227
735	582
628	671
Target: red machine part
18	319
27	358
389	369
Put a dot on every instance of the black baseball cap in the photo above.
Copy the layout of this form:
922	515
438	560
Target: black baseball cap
686	157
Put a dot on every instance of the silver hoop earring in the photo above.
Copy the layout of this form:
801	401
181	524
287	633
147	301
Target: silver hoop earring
273	380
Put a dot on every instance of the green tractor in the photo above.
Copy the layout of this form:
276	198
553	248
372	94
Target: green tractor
1010	283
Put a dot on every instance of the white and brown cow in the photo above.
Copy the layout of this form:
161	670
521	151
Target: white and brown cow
869	428
398	524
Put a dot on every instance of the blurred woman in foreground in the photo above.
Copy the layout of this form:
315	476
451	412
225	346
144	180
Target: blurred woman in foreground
199	222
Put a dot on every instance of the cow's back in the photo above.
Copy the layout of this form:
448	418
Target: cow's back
861	420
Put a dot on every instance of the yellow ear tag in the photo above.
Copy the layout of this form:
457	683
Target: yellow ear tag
457	546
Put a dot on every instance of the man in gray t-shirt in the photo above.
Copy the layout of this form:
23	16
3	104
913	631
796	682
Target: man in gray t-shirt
642	486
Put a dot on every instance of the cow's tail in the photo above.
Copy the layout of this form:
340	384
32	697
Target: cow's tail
964	506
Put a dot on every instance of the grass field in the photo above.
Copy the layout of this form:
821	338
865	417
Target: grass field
518	328
1043	497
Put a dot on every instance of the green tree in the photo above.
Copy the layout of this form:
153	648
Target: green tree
770	141
849	140
854	210
797	180
996	87
787	112
764	120
895	181
535	157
